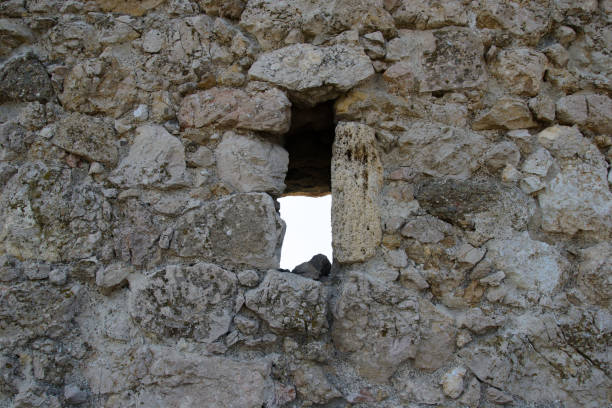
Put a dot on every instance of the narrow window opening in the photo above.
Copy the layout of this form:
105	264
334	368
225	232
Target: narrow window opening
306	202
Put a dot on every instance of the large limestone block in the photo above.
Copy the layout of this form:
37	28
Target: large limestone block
506	113
313	74
156	159
440	150
377	323
520	70
289	302
589	110
267	110
87	136
578	199
132	7
249	164
445	59
184	301
356	178
529	265
238	229
173	378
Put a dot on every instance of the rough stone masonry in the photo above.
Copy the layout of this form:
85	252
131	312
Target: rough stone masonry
142	153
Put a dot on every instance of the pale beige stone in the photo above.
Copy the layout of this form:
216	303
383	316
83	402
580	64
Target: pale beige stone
356	179
506	113
520	70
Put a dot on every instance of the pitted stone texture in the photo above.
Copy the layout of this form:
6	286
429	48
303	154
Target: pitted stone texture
289	302
156	159
313	385
87	136
266	111
250	164
506	113
356	179
313	74
520	70
24	79
594	273
428	14
238	229
377	323
190	380
133	7
445	59
528	264
440	150
184	301
588	110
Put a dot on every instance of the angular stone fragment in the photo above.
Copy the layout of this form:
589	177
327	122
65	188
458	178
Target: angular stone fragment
266	111
313	74
238	229
312	385
250	164
566	142
13	33
191	380
520	70
589	110
538	163
440	150
507	113
290	302
356	178
133	7
594	273
528	264
156	159
87	136
438	337
25	79
184	301
577	199
452	382
445	59
112	275
377	323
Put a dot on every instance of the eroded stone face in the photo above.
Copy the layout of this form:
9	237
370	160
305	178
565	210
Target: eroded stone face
377	323
239	229
290	302
184	301
313	74
356	185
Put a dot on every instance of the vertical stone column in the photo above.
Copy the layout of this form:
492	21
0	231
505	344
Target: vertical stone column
356	178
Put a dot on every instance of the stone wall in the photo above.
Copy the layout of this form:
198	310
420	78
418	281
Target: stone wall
142	151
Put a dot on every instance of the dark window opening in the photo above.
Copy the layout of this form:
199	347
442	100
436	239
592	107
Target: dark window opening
309	143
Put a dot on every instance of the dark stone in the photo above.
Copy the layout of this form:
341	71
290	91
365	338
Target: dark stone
25	79
452	201
317	267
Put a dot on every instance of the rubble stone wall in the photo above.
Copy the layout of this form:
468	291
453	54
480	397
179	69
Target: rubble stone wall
141	157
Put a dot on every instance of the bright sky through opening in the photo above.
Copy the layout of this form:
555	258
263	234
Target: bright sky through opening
308	232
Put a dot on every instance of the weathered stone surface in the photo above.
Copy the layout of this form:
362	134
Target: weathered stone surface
87	136
312	385
268	110
528	264
356	185
594	273
290	302
588	110
440	150
239	229
445	59
184	301
520	70
427	14
112	275
452	382
313	74
438	332
25	79
538	163
13	33
156	158
190	380
506	113
377	324
249	163
133	7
